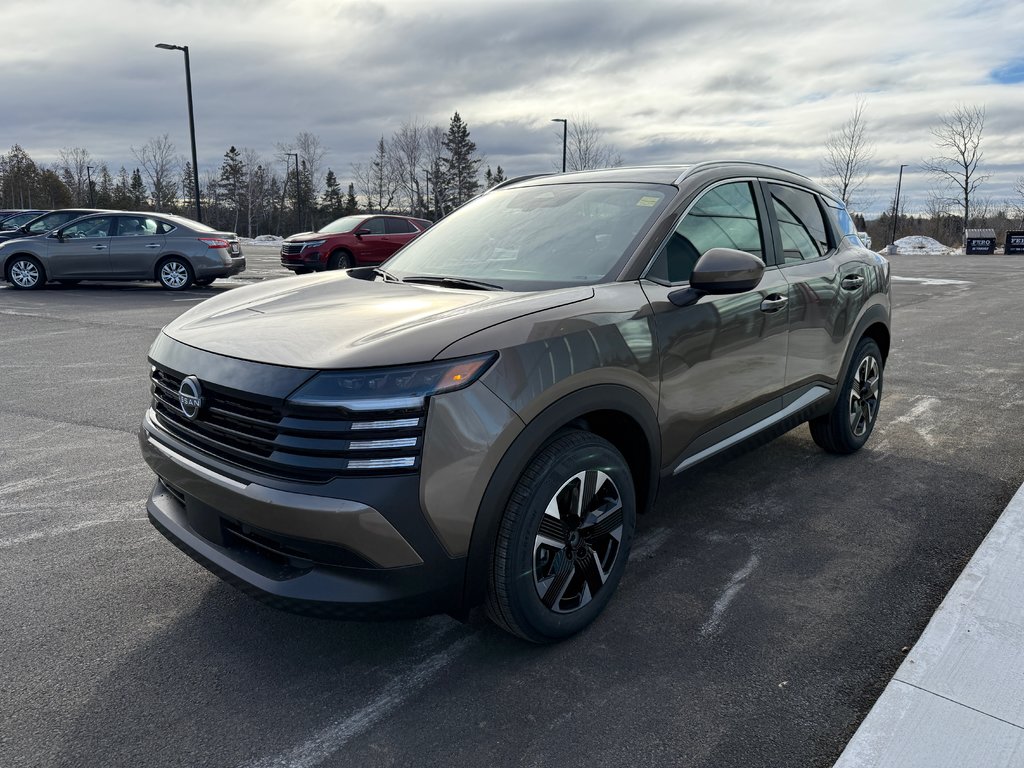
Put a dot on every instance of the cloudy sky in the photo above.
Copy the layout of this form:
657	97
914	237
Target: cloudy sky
667	81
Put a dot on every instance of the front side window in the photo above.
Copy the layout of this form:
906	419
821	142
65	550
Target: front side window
723	217
801	225
52	221
98	227
537	237
375	226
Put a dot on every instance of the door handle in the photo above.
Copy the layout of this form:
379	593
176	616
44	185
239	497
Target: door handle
852	282
774	303
153	245
99	247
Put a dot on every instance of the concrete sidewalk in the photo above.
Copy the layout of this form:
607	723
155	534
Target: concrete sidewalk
957	701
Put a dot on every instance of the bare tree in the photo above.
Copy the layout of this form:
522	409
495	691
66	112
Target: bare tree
157	159
585	146
73	166
408	146
848	153
958	138
1016	203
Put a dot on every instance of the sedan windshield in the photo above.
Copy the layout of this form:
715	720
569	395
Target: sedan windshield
537	237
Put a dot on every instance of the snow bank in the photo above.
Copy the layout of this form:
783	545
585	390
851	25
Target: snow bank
261	240
920	244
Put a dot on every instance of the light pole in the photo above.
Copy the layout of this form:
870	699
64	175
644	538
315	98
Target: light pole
565	136
298	192
896	206
191	122
88	173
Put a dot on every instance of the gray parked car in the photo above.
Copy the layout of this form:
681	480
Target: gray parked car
481	419
174	251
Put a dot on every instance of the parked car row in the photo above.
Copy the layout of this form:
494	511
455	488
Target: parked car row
72	245
351	241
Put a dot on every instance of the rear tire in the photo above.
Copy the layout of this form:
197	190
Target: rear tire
848	425
25	273
564	539
339	260
175	274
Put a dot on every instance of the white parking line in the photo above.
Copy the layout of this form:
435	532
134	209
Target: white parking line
331	739
930	280
15	540
710	627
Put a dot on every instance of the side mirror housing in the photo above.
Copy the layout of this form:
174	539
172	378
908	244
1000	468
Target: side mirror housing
720	271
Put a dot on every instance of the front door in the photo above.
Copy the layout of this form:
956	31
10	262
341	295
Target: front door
81	251
723	359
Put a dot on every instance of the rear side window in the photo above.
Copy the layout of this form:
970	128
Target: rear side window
723	217
804	235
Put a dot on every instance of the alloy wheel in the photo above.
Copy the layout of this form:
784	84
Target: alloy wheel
864	391
24	273
174	274
578	541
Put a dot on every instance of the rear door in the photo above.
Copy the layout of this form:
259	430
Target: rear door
399	232
135	246
827	283
724	357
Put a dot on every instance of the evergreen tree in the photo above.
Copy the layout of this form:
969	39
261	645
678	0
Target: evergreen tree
105	188
351	205
233	183
462	164
332	204
137	192
188	190
493	179
121	198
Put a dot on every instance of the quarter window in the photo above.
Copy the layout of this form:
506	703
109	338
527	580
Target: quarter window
723	217
804	236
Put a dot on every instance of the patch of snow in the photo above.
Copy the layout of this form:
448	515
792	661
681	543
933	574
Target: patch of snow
261	240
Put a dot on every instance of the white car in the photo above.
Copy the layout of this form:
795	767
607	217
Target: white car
865	238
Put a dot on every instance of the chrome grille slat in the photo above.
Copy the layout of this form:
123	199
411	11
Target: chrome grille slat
293	442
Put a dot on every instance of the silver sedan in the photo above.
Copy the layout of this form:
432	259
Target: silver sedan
172	250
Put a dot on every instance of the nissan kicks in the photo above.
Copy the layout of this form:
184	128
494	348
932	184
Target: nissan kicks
481	419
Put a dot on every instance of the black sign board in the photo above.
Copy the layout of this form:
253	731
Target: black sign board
1015	242
980	246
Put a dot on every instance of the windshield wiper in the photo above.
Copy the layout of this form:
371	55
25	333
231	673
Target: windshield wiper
453	282
388	277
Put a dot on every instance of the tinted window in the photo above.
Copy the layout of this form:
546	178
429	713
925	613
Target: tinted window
842	222
376	226
800	223
723	217
163	228
98	227
399	227
52	221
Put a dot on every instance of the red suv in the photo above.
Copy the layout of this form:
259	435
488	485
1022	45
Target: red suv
351	241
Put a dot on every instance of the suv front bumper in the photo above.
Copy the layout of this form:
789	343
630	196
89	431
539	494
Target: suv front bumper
307	554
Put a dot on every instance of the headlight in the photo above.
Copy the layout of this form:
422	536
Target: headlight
313	243
385	389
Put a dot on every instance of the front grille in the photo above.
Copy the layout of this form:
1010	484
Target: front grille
292	249
312	444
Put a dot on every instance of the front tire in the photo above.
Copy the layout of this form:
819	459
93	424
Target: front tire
564	539
339	260
175	274
25	273
848	425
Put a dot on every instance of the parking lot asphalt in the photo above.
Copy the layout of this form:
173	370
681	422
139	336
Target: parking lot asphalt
768	601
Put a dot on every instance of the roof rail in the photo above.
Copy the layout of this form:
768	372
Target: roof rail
712	163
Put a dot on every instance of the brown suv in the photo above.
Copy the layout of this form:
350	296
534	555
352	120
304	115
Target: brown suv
481	420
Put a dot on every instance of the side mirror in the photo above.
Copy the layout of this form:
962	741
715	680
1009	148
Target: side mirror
363	231
720	271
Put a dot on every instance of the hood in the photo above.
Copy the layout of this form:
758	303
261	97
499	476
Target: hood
337	321
301	237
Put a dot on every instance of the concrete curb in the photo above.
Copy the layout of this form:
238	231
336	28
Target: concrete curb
957	701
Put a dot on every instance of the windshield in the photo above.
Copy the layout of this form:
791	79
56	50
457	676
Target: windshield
539	237
344	224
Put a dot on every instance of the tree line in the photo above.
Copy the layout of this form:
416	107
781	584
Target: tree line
421	170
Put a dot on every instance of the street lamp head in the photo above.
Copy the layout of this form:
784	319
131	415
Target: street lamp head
558	120
169	47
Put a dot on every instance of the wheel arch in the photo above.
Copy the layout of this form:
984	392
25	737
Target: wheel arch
614	412
339	250
11	257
